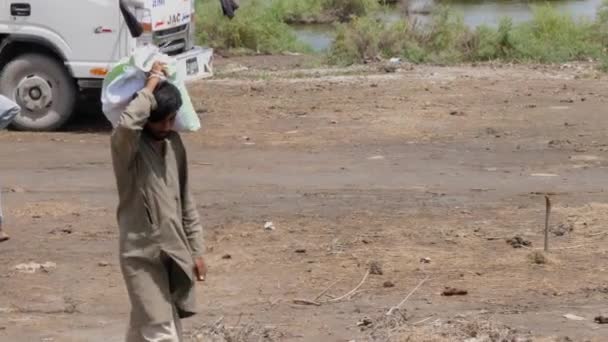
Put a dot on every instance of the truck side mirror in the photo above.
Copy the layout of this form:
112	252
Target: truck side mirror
134	26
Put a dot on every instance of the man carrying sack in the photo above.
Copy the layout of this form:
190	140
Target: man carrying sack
161	241
8	111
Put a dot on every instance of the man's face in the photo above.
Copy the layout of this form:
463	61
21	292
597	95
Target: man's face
160	130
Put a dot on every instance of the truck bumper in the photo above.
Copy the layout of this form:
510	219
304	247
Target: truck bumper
192	65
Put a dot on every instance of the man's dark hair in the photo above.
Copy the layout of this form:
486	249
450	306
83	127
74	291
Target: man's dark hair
168	101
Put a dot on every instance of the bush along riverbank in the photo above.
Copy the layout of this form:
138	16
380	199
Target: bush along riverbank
550	37
262	26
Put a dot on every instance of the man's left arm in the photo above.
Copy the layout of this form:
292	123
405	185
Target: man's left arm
191	220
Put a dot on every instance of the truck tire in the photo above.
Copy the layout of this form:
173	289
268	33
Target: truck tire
43	88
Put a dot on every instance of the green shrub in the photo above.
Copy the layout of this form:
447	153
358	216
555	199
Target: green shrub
255	28
554	37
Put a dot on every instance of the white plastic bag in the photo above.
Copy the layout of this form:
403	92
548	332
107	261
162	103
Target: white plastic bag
129	76
8	111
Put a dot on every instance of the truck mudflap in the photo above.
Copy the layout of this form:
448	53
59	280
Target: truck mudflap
195	64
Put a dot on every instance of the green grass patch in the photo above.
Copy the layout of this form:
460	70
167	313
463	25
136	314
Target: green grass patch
322	11
256	28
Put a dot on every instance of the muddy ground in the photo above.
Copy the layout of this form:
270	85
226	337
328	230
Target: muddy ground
424	172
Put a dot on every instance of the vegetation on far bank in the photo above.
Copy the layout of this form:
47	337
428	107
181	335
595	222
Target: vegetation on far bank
548	38
261	26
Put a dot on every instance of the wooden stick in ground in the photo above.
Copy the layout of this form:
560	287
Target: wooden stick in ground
306	302
351	291
390	312
547	213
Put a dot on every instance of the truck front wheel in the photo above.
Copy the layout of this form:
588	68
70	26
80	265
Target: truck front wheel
43	88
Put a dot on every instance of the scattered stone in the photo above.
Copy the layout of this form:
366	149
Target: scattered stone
374	85
598	289
269	226
17	190
103	264
426	260
376	158
538	258
492	131
226	256
457	113
559	142
32	267
531	106
365	322
390	67
567	101
388	284
375	268
601	319
452	291
564	339
573	317
518	242
562	229
67	230
300	251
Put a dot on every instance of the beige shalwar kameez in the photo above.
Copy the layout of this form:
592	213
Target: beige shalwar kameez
160	231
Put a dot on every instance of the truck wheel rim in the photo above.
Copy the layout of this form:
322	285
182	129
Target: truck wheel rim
34	93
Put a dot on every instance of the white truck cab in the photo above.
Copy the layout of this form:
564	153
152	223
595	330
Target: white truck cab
50	50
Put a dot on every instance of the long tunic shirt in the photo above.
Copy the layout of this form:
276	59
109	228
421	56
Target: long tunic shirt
160	230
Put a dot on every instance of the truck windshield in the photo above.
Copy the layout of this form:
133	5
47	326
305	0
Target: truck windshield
134	26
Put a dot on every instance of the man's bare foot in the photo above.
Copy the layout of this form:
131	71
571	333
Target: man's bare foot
3	236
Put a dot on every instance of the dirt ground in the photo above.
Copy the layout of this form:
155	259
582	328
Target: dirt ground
423	173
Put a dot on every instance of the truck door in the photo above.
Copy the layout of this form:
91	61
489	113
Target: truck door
3	12
90	28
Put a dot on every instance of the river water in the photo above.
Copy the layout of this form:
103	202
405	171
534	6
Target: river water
488	12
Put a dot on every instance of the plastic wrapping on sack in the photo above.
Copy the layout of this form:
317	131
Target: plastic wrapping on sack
129	76
8	111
